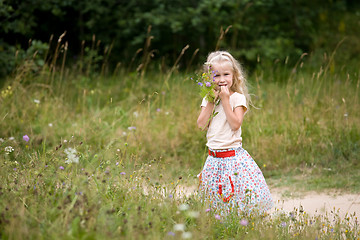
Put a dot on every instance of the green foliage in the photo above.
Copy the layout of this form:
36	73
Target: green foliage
263	29
12	57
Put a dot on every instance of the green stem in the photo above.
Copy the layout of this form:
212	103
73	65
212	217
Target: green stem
213	114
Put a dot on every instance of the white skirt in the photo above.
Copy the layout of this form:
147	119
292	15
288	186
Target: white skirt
234	183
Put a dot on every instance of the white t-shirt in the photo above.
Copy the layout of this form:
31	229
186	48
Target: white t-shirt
220	135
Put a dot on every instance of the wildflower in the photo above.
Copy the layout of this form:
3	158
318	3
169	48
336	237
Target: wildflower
283	224
2	140
11	139
26	138
61	167
136	114
183	207
171	233
65	141
158	110
179	227
9	149
208	84
122	173
244	222
6	92
71	155
186	235
193	214
170	195
36	101
15	169
346	115
207	210
117	163
200	84
132	128
217	217
50	124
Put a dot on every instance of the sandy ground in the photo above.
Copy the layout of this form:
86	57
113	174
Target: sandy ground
311	202
318	203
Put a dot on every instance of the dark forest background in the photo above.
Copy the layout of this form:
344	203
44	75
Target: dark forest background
122	31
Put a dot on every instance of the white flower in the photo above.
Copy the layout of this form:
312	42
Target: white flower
136	114
193	214
36	101
183	207
186	235
9	149
50	124
71	155
179	227
11	138
65	141
2	140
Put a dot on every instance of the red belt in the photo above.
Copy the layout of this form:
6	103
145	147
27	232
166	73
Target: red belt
226	154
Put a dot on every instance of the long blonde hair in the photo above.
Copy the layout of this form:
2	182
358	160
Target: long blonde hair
239	82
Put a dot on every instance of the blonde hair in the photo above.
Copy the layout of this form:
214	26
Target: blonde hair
239	82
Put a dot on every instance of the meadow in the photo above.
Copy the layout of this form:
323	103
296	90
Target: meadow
88	155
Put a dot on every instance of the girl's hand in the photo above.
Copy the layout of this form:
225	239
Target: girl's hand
224	92
216	93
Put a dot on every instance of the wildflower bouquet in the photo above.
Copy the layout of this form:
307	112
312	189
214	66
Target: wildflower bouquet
207	86
207	90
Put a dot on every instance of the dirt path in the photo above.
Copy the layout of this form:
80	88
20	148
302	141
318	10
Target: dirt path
312	202
317	203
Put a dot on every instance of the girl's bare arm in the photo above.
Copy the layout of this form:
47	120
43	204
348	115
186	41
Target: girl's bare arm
204	116
234	117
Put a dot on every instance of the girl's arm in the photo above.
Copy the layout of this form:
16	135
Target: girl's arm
203	119
234	117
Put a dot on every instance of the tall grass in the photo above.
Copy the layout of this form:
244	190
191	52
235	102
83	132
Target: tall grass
137	130
307	123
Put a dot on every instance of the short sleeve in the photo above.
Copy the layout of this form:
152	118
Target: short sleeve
204	102
240	101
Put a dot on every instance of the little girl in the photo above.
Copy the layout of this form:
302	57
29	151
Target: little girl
230	178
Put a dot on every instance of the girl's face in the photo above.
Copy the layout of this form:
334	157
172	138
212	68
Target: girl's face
223	74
